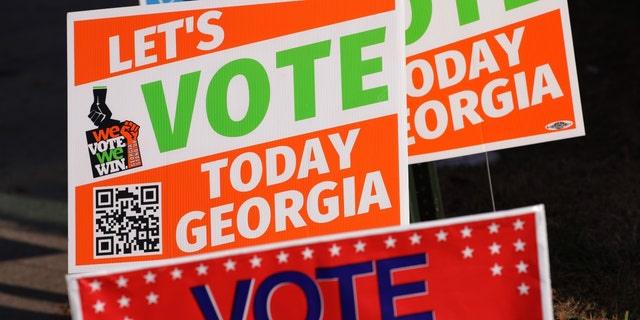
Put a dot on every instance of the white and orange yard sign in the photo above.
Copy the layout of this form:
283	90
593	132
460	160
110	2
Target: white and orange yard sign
489	74
206	128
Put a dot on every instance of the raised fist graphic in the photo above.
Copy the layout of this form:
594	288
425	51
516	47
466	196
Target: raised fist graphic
99	112
130	131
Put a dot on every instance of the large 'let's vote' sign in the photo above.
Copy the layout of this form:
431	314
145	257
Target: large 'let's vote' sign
201	127
485	266
484	75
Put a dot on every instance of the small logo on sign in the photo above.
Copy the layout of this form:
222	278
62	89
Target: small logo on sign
559	125
113	145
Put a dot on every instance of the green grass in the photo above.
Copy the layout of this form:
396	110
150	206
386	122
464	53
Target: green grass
570	308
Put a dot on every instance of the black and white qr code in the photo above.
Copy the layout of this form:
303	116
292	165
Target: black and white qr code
127	220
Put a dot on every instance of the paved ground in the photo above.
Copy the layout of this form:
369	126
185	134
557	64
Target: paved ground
33	160
33	259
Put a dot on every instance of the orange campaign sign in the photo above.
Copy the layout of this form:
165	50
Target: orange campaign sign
488	75
196	129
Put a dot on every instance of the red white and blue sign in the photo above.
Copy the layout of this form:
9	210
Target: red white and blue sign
484	266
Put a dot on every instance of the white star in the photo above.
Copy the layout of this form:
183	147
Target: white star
467	253
127	318
256	262
493	228
152	298
229	265
522	267
95	285
519	245
176	273
307	253
335	250
99	306
122	282
495	248
360	246
283	257
496	270
124	301
518	225
202	269
415	238
523	289
149	277
441	235
390	242
466	232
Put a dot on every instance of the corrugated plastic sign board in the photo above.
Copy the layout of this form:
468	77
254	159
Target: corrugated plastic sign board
484	75
195	129
483	266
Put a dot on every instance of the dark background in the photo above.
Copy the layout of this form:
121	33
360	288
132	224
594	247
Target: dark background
589	185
